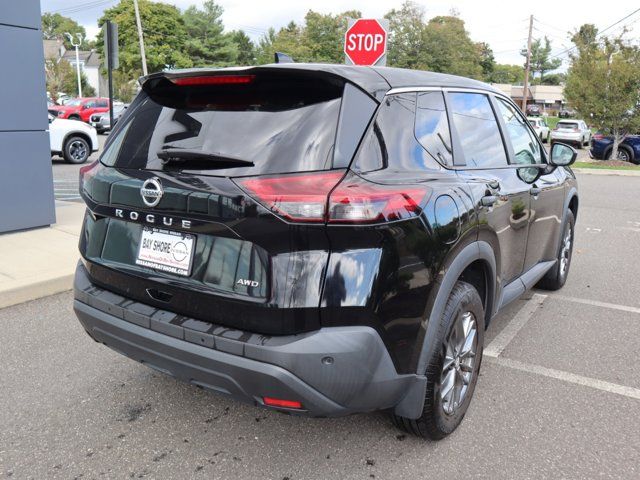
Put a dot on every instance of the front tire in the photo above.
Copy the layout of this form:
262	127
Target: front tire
557	276
452	371
76	150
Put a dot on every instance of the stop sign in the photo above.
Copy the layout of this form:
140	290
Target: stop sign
365	42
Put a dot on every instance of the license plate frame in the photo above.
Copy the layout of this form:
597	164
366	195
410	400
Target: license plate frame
166	250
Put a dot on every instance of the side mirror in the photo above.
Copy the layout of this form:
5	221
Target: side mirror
562	155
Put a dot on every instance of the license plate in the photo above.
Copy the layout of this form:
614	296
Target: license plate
166	250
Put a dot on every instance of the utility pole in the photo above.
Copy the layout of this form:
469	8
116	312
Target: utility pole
77	45
527	68
139	23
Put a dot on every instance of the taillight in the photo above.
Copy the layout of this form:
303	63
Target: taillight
576	129
597	136
299	198
328	197
213	80
86	174
356	200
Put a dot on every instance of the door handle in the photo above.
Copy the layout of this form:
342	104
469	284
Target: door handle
535	191
489	200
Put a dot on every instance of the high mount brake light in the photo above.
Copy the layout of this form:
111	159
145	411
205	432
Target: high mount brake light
350	200
213	80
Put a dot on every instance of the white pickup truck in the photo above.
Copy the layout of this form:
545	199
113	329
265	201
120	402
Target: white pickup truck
72	139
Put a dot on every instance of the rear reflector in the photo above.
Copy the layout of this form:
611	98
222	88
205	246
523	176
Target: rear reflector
213	80
350	198
277	402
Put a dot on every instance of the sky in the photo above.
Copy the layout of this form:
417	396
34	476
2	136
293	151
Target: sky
502	24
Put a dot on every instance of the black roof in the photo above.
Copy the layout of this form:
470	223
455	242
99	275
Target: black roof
375	80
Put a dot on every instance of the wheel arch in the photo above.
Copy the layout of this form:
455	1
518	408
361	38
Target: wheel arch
77	133
475	264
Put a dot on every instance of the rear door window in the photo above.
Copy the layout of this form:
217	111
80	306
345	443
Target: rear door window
432	126
477	130
280	124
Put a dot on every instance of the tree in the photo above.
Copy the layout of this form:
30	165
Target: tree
164	36
450	49
513	74
324	35
554	79
487	60
55	26
319	39
207	44
541	61
246	48
62	77
603	83
406	43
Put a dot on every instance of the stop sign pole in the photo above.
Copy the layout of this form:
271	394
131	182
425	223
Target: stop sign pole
365	42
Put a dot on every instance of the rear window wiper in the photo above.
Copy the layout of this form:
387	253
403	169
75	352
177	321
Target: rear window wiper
192	159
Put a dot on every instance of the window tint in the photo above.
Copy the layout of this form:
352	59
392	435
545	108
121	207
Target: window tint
280	125
90	104
567	125
390	143
478	130
102	103
525	145
432	126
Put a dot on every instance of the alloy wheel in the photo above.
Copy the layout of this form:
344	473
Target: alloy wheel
459	362
565	253
78	150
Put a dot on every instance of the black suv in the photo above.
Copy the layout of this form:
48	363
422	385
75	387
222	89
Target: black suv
320	239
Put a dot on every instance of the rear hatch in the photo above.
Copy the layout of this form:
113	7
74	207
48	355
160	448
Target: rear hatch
202	200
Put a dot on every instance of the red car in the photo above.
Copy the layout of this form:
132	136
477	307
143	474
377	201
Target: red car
80	108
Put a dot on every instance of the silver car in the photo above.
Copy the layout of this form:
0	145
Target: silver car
101	122
571	131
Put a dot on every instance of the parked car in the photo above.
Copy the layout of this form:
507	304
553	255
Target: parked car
101	121
628	150
71	139
274	234
575	132
533	110
566	113
80	108
541	128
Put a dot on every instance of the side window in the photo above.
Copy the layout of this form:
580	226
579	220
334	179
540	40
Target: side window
390	142
90	104
432	126
102	104
477	130
525	145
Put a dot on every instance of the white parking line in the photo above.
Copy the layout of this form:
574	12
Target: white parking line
629	392
508	333
596	303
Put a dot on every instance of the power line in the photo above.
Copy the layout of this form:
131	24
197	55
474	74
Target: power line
83	6
599	33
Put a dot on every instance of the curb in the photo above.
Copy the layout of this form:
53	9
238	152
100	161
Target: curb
32	290
607	171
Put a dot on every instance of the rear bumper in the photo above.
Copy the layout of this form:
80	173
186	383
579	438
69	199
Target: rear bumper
566	137
332	372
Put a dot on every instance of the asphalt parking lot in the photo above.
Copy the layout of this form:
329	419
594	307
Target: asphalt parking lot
558	396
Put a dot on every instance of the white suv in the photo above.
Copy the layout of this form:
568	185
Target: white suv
541	128
71	139
571	131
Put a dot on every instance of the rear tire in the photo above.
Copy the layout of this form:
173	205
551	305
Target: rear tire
454	366
76	150
557	276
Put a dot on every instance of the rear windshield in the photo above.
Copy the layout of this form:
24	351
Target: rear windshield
277	123
567	125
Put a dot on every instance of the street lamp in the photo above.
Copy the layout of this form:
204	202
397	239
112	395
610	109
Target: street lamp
76	45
